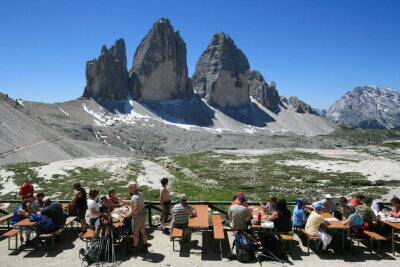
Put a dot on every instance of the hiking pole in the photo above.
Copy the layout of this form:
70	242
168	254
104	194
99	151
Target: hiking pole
273	256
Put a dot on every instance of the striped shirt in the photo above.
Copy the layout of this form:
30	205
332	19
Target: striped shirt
180	214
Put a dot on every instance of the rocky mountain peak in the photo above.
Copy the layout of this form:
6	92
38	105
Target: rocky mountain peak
159	71
300	106
107	76
367	107
264	93
221	75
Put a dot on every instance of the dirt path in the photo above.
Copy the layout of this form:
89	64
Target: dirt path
26	147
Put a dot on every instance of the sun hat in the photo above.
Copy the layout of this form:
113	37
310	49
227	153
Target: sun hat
328	196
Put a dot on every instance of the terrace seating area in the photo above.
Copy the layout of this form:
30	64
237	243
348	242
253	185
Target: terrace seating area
209	244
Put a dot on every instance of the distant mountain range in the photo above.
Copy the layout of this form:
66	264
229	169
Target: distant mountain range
367	107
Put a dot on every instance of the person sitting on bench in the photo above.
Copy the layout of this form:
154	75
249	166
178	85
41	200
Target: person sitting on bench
54	210
180	216
314	222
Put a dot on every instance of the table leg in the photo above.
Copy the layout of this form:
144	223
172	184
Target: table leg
343	237
393	249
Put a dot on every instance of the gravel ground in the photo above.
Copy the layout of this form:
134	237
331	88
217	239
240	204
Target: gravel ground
161	254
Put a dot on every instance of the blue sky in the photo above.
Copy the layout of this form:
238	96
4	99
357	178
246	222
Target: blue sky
316	50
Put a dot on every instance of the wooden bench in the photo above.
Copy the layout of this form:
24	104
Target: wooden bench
176	233
286	238
218	231
50	236
87	237
309	237
69	221
6	218
11	233
374	237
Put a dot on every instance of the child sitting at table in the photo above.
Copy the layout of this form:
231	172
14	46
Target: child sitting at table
396	208
355	221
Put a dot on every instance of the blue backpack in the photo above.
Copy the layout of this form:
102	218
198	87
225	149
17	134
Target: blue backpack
45	224
244	247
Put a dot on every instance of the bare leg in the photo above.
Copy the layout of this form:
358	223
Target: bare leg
144	235
135	239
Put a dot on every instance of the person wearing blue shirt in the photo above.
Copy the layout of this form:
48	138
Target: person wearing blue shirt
327	203
299	214
355	220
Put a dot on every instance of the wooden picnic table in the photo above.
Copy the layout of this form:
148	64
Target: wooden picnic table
201	220
25	222
335	224
395	227
255	211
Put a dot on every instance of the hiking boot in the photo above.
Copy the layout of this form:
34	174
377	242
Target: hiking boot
144	249
166	232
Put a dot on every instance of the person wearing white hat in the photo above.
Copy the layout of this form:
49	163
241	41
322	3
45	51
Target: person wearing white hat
328	204
138	213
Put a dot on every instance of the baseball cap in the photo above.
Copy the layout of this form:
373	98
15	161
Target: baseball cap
328	196
28	178
318	206
242	198
238	194
182	197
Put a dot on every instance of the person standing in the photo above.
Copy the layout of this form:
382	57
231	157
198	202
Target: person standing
80	203
138	213
165	202
26	190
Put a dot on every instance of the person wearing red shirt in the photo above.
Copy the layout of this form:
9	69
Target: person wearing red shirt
359	198
26	190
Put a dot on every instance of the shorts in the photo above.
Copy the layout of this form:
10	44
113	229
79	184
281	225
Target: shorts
138	223
81	212
165	212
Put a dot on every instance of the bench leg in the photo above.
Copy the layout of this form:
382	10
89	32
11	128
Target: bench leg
308	246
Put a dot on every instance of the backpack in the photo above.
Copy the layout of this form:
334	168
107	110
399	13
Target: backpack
244	248
90	255
45	224
127	226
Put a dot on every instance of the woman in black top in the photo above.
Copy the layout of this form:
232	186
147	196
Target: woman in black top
282	217
80	202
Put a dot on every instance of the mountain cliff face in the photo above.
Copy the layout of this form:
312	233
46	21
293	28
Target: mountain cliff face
264	93
300	106
367	107
159	69
107	76
222	72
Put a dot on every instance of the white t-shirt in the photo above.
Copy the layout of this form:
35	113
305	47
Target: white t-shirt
93	204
